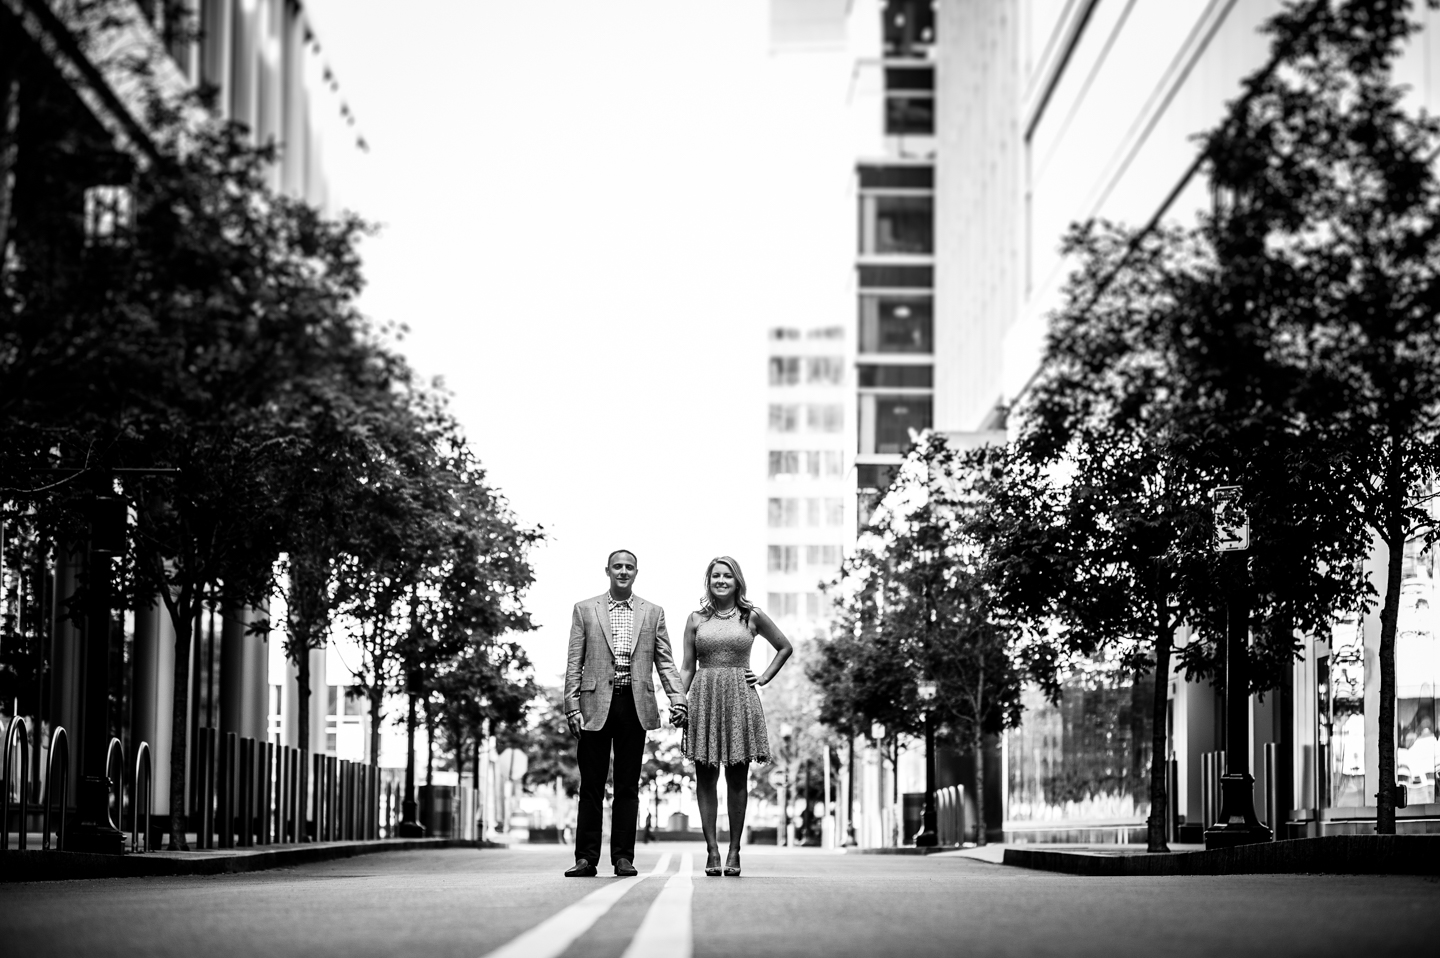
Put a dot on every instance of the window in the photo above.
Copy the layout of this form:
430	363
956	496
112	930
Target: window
829	463
829	417
874	478
784	558
899	176
817	606
897	224
825	370
812	512
784	464
834	512
886	421
784	418
330	742
109	215
909	114
865	505
332	700
784	513
897	377
822	557
826	332
354	705
784	332
782	605
784	370
895	276
909	27
896	324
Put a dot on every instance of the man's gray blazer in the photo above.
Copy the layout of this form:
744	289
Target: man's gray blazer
590	666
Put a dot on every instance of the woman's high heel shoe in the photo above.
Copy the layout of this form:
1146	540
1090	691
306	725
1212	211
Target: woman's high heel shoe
732	864
712	864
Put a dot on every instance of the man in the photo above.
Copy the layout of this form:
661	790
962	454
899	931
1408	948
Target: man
615	639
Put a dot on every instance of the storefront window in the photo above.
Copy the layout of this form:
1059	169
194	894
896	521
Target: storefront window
1417	669
1346	758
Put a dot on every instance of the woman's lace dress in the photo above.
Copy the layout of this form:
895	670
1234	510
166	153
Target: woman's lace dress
726	723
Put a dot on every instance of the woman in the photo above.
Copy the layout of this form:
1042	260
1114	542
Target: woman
726	725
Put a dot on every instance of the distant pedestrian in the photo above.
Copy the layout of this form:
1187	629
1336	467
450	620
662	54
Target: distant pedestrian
616	638
649	825
726	723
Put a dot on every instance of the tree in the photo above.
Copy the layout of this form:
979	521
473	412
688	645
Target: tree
548	744
917	604
1331	239
663	770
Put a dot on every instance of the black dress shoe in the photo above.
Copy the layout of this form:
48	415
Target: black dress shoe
582	869
623	868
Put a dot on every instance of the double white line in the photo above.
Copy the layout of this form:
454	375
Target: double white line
666	929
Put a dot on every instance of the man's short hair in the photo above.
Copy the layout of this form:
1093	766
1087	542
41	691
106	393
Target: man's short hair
611	557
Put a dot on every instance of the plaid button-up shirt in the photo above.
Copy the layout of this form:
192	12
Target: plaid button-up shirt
622	633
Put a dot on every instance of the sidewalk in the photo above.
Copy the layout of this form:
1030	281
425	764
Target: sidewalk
33	865
1333	854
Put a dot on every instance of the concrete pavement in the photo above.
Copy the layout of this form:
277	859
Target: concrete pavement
802	902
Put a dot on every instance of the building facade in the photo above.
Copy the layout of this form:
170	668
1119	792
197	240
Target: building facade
1051	112
73	76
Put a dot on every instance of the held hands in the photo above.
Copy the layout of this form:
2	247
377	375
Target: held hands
679	716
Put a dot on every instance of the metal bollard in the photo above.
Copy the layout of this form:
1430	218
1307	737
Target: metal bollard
317	788
247	792
333	772
1172	800
1273	815
293	795
229	765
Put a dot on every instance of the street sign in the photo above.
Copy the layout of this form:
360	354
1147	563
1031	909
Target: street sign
1232	526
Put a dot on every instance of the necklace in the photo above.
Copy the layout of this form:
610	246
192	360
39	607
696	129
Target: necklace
724	615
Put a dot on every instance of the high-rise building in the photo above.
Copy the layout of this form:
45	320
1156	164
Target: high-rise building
895	266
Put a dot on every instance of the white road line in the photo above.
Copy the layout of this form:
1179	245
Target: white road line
666	931
556	933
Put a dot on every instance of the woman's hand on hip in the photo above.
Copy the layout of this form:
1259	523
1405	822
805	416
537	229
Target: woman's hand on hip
751	679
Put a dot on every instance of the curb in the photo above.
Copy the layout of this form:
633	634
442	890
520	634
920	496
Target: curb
33	866
903	850
1332	854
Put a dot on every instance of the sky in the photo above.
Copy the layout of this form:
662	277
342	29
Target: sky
590	213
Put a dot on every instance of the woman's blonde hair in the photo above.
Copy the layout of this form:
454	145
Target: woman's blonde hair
707	601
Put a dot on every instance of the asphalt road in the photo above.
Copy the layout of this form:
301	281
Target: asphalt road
464	903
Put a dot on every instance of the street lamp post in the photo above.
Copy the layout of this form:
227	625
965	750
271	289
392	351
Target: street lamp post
94	832
1237	823
877	735
410	826
927	836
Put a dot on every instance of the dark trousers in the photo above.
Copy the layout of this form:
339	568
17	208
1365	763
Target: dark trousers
626	735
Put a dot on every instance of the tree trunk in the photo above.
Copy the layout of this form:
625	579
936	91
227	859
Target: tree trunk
1159	762
429	746
302	701
183	620
977	742
375	717
1389	620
